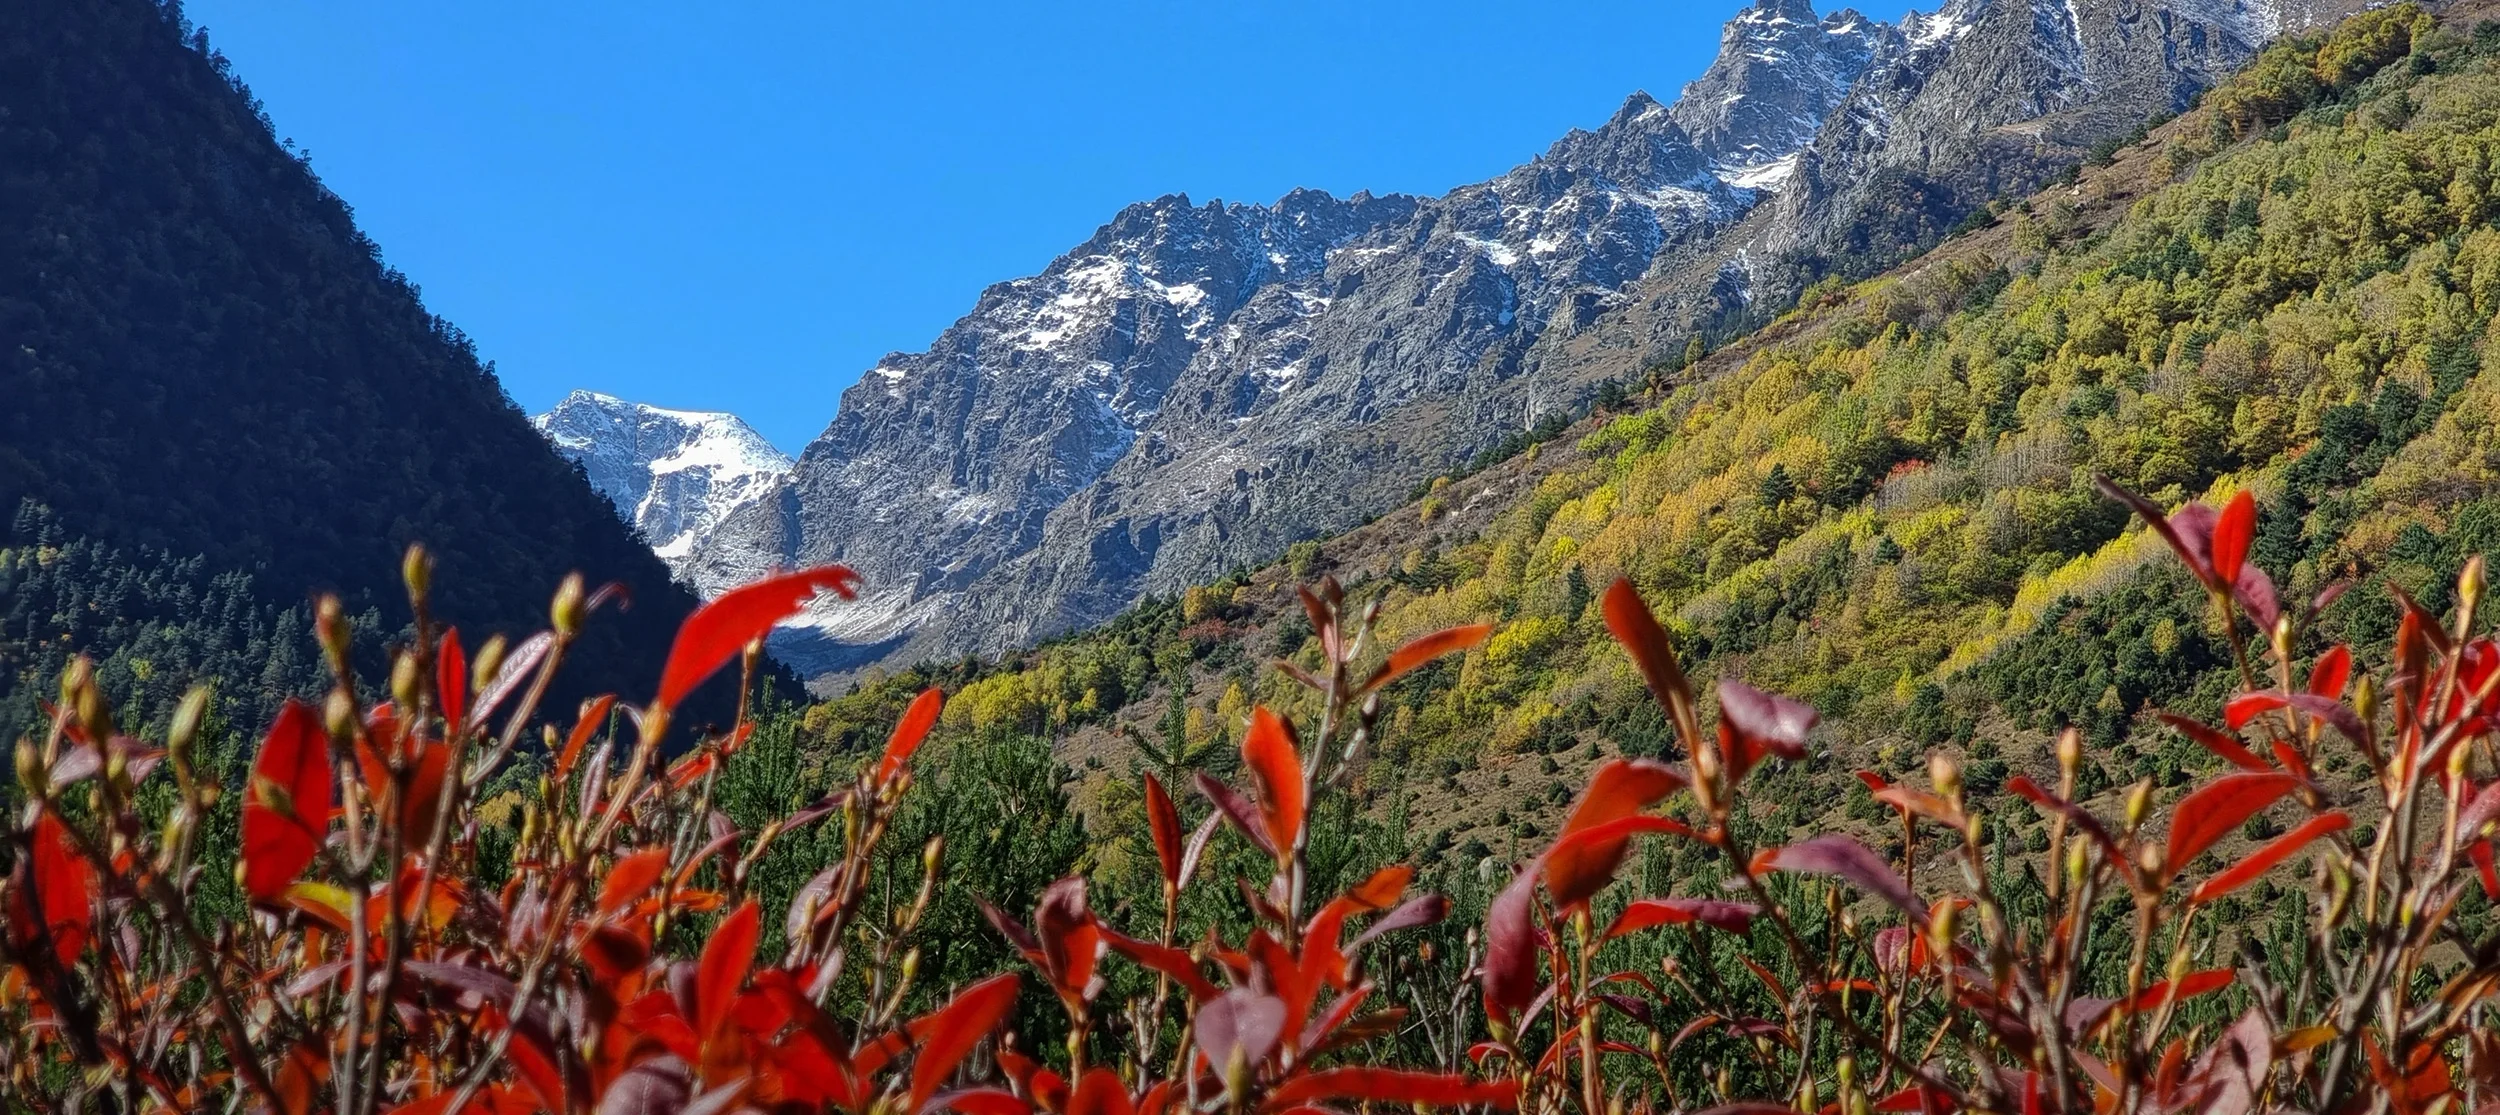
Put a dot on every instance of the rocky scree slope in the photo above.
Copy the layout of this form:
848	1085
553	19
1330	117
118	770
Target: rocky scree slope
1198	386
673	474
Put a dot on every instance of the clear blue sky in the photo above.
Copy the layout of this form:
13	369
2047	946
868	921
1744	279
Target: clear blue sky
741	206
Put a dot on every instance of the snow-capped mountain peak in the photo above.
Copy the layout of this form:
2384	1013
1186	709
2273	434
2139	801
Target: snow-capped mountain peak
1781	70
673	474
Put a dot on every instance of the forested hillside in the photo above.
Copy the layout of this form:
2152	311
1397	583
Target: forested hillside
1884	502
206	359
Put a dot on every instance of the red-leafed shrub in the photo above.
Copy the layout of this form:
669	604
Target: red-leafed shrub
381	971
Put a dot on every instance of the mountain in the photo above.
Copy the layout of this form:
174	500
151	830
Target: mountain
207	358
1199	386
1883	503
674	474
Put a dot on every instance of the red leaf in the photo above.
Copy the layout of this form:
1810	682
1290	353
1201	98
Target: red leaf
451	679
1164	823
946	1035
1068	935
1099	1092
1510	948
1233	807
980	1101
718	631
1242	1023
2084	822
1627	616
2237	712
1393	1086
726	958
286	808
1406	659
1735	917
66	885
1276	771
2216	808
2332	673
1849	860
631	878
914	728
2231	535
2264	859
2231	750
1170	961
1619	789
1769	719
2188	532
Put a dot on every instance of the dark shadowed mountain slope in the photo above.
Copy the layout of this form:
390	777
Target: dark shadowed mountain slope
204	356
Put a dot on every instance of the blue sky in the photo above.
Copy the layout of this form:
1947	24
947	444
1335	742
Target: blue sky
742	206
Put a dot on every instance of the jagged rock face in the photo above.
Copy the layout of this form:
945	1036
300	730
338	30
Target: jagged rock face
1781	70
673	474
1982	99
1197	386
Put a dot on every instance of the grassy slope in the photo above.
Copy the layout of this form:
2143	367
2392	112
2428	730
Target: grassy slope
2238	300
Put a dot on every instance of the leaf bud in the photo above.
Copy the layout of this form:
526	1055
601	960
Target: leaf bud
404	679
338	715
330	627
2149	857
417	568
488	663
571	606
1946	774
2470	582
932	855
2365	699
2069	750
1940	926
30	773
2139	803
75	678
2078	865
94	714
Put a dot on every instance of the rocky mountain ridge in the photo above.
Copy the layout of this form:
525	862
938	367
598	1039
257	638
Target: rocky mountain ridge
673	474
1200	385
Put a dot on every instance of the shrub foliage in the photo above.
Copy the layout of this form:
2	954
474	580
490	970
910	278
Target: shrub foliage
454	904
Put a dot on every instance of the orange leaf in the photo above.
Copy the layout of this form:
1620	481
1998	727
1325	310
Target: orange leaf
631	878
1627	616
718	631
2191	985
1574	871
946	1035
2216	808
2231	535
2264	859
286	809
1383	889
726	958
1276	770
1392	1086
913	728
594	713
1164	823
1414	655
1735	917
